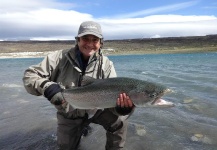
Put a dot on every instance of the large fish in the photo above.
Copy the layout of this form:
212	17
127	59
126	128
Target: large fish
103	93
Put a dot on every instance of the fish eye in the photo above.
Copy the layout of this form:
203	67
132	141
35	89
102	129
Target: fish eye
152	95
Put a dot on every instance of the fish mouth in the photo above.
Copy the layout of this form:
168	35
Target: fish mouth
161	102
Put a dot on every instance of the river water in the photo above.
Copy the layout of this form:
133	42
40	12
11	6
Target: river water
29	122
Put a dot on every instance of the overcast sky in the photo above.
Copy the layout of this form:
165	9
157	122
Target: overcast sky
120	19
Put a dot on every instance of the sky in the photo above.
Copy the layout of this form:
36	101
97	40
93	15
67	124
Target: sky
119	19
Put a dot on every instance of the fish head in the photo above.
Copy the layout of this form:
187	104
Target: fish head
149	94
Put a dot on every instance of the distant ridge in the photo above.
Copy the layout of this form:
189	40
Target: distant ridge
69	41
131	46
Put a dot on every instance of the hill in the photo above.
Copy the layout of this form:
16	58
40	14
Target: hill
124	46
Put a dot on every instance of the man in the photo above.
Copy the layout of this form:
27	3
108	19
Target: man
64	69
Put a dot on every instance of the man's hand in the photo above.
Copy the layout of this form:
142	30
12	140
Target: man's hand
54	94
124	101
124	104
58	99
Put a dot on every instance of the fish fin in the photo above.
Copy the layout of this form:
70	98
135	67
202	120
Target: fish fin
87	80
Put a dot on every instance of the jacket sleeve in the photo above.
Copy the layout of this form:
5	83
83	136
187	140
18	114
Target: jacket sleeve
37	77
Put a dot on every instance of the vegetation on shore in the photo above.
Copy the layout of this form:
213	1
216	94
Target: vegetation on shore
126	46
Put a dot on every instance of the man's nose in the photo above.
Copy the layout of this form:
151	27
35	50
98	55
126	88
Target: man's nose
91	42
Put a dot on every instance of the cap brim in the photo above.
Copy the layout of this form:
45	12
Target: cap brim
92	33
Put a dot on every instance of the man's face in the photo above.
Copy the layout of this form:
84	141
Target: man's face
88	45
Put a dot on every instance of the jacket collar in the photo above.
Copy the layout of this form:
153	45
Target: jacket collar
73	54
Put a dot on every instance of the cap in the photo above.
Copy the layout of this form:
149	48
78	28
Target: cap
90	27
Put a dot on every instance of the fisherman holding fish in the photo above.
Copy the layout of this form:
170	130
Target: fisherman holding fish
65	69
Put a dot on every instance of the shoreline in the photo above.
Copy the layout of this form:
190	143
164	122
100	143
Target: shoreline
24	55
108	53
170	45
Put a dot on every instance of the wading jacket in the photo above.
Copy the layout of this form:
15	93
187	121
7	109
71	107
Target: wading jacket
63	67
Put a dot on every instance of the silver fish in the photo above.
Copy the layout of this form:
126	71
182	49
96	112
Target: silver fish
103	93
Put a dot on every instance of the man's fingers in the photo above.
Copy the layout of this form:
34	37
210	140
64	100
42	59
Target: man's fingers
124	101
121	100
118	102
130	103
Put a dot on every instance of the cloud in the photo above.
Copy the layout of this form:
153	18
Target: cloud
162	29
44	20
41	23
160	25
11	6
155	36
168	8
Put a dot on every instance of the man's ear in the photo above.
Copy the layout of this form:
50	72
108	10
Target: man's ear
101	42
76	40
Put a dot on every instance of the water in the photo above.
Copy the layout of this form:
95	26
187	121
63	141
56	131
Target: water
29	122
